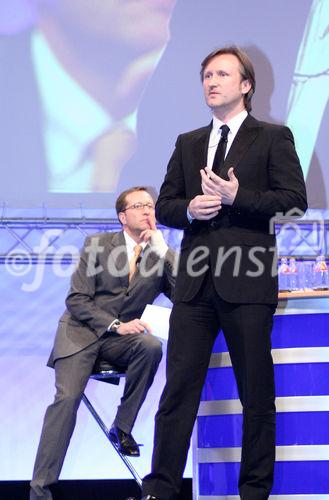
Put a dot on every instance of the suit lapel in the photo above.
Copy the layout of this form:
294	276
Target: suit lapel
200	147
121	258
246	135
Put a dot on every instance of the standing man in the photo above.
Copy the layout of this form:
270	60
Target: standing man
109	291
226	278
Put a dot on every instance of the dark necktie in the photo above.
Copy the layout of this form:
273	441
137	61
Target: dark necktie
220	151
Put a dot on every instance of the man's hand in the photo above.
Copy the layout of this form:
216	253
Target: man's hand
134	326
155	239
148	233
205	206
213	185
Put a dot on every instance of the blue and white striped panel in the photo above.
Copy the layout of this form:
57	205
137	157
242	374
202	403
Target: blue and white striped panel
301	357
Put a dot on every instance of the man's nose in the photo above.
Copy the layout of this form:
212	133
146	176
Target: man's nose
213	82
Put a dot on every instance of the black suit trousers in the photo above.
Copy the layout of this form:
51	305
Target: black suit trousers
193	328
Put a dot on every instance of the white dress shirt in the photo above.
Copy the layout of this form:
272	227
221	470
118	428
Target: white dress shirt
234	124
130	244
73	122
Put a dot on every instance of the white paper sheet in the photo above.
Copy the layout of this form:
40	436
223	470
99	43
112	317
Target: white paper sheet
157	318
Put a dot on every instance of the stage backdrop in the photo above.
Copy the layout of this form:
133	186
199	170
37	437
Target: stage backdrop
92	96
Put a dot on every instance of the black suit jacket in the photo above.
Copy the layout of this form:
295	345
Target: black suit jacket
98	294
240	243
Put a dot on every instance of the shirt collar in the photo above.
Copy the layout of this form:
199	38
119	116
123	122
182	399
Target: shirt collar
130	243
77	111
234	123
73	120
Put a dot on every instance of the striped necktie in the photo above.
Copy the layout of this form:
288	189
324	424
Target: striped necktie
134	261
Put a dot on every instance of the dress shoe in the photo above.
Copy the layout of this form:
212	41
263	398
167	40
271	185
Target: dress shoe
149	497
125	443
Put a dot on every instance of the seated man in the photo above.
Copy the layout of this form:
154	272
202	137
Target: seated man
109	291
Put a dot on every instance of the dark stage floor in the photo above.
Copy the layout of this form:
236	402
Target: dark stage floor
85	490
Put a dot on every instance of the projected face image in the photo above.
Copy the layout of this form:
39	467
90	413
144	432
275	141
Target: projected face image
83	78
137	24
93	61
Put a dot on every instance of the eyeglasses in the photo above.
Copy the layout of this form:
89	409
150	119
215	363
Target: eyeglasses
140	206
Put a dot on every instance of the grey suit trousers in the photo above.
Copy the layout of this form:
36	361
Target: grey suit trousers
140	354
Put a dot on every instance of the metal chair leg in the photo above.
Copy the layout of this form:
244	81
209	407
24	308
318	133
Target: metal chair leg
102	425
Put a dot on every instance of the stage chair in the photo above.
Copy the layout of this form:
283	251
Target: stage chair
105	372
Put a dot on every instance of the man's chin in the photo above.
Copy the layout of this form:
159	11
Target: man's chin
144	226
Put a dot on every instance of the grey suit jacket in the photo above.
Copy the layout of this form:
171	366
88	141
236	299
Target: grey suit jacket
100	291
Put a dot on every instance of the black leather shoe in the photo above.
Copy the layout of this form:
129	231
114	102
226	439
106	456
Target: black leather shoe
149	497
124	442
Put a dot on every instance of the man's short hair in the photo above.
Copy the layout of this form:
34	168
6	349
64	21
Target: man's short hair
120	204
247	69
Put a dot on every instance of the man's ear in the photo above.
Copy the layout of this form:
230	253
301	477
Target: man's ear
246	86
122	217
